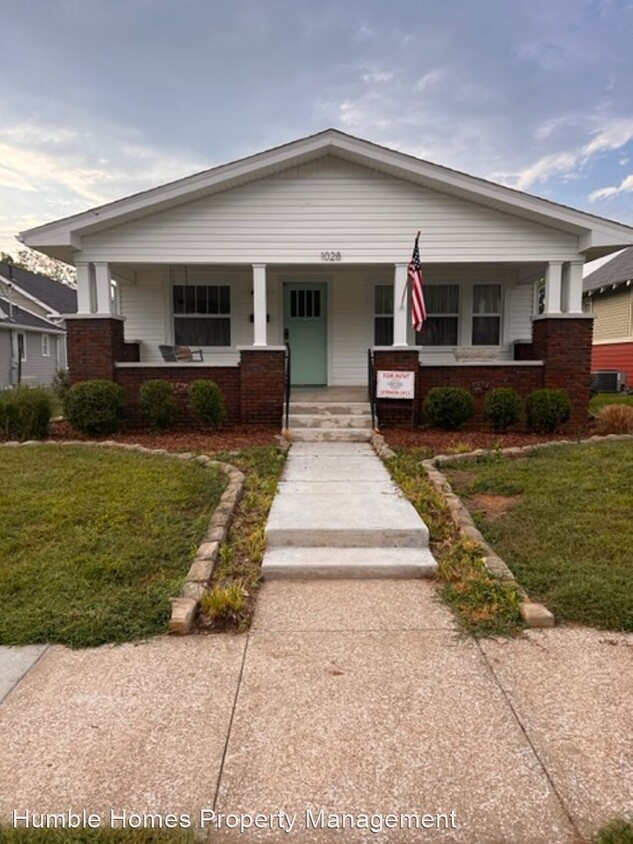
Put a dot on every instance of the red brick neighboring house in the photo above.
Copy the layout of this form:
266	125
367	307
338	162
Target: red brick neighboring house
609	297
309	243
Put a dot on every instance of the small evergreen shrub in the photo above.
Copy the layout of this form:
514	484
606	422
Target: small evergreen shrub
158	404
448	407
25	413
615	419
502	407
206	403
95	407
547	410
61	383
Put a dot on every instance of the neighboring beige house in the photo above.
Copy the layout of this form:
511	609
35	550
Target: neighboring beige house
609	297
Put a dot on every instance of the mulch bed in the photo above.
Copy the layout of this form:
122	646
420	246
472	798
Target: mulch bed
185	439
443	442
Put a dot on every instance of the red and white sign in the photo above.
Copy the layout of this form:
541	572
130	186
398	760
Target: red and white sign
395	385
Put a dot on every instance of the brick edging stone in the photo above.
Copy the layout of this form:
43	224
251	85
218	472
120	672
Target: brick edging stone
184	608
533	614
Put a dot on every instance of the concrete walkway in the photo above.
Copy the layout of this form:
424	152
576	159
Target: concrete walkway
338	514
346	696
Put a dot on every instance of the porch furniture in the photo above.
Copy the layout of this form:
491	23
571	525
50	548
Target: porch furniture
180	354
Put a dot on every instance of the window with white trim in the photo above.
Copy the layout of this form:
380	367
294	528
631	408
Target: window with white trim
383	315
441	326
46	349
202	314
486	315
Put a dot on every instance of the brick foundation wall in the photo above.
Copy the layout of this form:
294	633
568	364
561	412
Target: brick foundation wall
226	377
479	380
394	412
262	386
93	346
565	347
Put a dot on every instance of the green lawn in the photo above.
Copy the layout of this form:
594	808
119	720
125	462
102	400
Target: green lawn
94	541
602	399
568	532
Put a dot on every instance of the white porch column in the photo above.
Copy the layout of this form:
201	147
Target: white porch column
103	285
84	285
259	305
400	305
553	282
572	287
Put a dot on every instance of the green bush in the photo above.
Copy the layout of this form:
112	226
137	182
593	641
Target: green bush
25	413
502	407
207	403
547	409
95	407
448	407
61	383
158	404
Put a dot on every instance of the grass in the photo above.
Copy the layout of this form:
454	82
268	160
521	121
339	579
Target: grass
616	832
568	536
102	835
230	600
94	542
483	604
602	399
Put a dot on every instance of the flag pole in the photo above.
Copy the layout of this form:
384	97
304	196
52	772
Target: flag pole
406	287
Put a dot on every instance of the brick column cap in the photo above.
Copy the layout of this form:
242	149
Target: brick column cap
94	316
562	316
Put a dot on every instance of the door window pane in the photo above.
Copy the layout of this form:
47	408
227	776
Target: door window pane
441	326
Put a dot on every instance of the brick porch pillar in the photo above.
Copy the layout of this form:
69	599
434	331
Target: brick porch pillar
563	343
401	359
262	384
94	344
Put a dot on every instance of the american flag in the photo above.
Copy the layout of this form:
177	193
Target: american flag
418	308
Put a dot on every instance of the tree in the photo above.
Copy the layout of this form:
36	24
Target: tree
36	262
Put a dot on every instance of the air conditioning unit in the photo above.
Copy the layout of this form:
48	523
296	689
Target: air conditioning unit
608	381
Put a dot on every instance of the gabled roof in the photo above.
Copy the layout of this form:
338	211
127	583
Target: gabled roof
598	236
58	297
616	271
20	318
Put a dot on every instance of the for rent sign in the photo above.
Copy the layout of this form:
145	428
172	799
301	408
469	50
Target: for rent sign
395	385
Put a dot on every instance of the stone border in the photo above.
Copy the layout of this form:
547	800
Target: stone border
533	614
185	607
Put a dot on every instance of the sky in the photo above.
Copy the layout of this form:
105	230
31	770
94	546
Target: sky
102	98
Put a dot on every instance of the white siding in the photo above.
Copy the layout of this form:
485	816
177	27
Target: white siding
328	204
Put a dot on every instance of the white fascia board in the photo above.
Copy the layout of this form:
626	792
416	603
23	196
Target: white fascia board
68	232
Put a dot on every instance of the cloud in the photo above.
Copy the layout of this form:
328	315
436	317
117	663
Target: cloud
625	186
614	135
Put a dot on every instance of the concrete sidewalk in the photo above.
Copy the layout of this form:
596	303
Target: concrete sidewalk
347	696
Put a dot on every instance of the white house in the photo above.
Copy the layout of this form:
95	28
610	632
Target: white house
308	243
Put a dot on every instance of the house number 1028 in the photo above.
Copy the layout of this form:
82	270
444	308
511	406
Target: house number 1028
330	256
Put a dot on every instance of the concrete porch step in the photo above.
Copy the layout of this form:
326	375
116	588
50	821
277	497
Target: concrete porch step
330	435
328	420
301	563
333	408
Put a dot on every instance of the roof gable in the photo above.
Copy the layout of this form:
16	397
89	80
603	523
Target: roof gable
597	235
56	296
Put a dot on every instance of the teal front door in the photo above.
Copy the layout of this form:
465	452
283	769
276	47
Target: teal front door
305	324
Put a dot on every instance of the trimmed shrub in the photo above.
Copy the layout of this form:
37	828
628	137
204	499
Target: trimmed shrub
448	407
615	419
206	403
25	413
547	410
502	407
95	407
158	404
